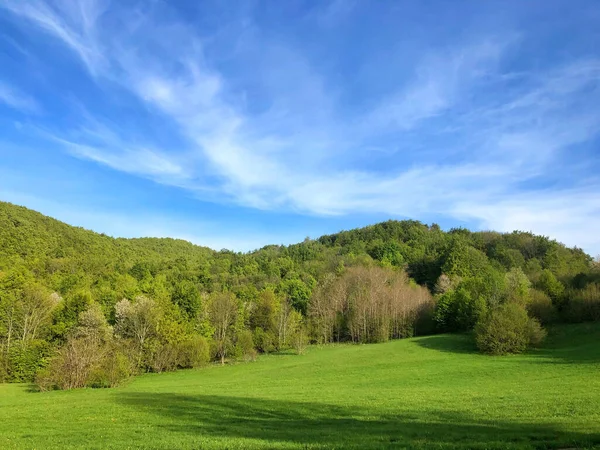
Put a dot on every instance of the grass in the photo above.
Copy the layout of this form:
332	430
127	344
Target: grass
429	392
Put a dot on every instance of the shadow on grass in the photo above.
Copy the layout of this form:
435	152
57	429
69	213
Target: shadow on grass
286	352
325	426
571	344
565	344
32	388
451	343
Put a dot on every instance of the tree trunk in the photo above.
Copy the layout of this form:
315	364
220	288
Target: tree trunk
9	330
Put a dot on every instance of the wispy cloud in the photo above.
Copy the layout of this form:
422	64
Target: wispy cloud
71	21
136	161
13	98
101	143
464	134
570	216
441	80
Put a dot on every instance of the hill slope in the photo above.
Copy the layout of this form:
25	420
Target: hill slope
36	241
350	286
29	235
429	392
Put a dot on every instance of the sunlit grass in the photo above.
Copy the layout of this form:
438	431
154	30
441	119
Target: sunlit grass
430	392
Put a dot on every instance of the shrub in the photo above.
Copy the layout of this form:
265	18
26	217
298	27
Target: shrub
114	369
84	362
540	307
129	350
164	358
535	333
507	329
245	346
194	352
459	310
72	366
24	360
583	305
44	380
264	340
299	340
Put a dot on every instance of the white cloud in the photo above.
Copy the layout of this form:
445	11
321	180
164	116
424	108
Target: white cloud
140	161
570	216
440	80
292	155
73	22
13	98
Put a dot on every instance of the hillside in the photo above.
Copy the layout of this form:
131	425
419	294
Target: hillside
391	280
429	392
29	238
27	235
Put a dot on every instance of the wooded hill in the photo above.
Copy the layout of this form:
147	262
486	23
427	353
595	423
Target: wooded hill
166	303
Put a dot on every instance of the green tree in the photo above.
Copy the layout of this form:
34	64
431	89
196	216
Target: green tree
297	292
550	285
459	310
507	329
517	286
187	296
464	261
222	312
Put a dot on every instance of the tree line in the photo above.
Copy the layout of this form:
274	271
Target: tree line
79	308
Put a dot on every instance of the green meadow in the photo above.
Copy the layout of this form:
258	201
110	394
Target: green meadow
427	392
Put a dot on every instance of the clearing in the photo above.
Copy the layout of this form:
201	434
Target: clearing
428	392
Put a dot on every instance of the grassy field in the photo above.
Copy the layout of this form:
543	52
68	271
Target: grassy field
430	392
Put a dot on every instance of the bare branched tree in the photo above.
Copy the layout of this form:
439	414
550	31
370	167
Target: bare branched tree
222	313
367	304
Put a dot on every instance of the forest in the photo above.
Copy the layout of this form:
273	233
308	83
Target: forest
78	308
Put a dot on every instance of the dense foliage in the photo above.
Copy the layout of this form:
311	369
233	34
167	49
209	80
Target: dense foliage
160	304
507	329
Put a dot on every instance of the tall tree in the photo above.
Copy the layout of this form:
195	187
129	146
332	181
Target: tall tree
222	313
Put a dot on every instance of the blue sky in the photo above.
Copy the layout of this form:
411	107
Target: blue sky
240	124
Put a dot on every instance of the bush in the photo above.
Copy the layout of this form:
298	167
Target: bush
535	333
129	349
24	360
165	358
113	369
264	340
458	310
72	366
194	352
299	340
245	346
583	305
84	362
507	329
44	380
540	307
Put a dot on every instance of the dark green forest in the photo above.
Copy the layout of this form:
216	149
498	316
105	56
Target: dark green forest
78	308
